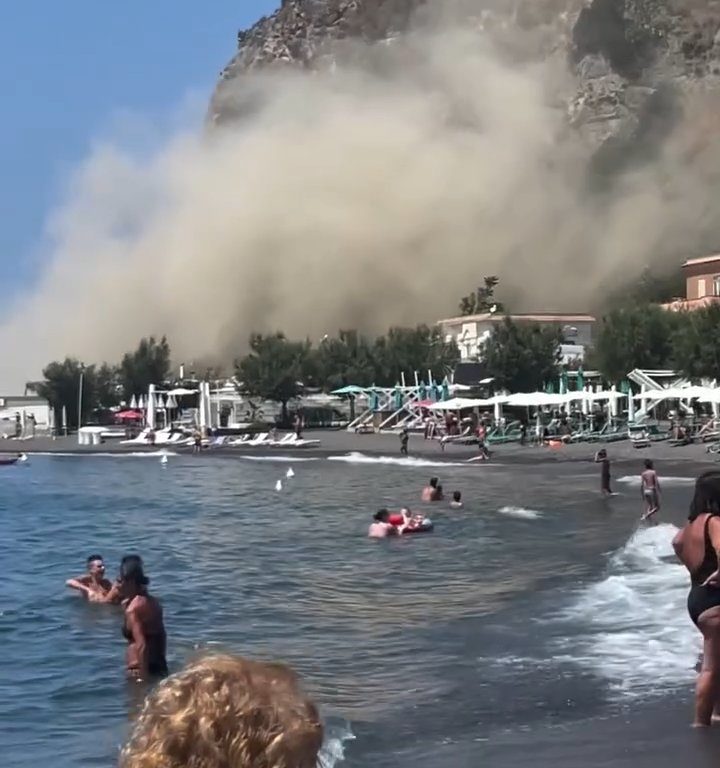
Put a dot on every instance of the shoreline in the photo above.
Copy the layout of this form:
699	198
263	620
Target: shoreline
340	442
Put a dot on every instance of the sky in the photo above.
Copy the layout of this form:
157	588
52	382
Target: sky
70	72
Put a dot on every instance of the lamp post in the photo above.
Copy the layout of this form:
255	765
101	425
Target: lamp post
80	395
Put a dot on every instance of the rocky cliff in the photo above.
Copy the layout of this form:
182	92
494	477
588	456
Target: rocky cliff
631	61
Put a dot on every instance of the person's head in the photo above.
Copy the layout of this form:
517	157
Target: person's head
648	464
433	482
602	453
132	573
707	495
457	496
439	489
381	516
96	565
226	712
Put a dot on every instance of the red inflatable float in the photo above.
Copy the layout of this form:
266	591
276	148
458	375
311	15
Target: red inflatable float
421	527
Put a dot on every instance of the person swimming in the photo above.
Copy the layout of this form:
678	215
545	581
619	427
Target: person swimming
456	502
143	625
432	491
93	585
650	490
697	546
381	527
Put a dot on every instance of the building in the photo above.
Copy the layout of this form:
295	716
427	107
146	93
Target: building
21	407
470	332
702	284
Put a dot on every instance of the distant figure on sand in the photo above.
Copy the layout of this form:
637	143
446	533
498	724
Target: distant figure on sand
93	585
698	545
456	502
601	458
143	625
404	437
650	490
432	492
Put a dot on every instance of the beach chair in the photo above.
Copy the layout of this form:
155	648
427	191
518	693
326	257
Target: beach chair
258	440
290	437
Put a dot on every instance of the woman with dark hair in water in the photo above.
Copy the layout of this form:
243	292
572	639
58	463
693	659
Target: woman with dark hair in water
698	547
143	625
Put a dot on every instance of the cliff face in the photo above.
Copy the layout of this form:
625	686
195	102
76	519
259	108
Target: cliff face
631	60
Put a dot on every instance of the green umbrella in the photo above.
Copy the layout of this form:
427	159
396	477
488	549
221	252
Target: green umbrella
563	382
398	398
550	388
580	380
445	389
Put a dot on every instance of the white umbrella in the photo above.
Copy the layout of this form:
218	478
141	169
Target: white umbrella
150	408
160	403
538	399
141	403
133	403
613	397
171	402
180	391
585	402
497	411
64	420
631	408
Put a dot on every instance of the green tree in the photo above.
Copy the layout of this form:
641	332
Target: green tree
405	350
61	388
274	368
522	357
148	364
347	359
483	299
695	349
633	337
106	386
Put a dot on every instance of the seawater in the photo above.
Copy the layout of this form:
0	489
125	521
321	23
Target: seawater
533	618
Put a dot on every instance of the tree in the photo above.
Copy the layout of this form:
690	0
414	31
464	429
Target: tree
274	368
405	350
695	350
106	387
148	364
61	388
522	357
483	299
633	337
347	359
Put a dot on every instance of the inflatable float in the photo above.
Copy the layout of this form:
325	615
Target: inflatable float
425	526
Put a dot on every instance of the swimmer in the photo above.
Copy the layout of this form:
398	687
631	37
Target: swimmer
381	527
456	502
93	585
432	491
650	490
143	625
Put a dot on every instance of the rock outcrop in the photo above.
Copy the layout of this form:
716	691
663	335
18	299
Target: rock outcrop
632	60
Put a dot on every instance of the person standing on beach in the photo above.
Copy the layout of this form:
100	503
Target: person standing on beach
650	490
404	437
601	458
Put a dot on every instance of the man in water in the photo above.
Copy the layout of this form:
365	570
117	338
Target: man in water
381	527
456	502
601	457
93	585
404	437
431	492
650	490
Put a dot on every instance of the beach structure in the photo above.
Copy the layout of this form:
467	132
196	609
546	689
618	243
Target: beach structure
470	332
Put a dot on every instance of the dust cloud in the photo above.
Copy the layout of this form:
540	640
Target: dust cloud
370	194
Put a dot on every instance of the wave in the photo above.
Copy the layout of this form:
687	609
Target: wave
107	455
638	634
333	748
399	461
520	512
293	459
667	479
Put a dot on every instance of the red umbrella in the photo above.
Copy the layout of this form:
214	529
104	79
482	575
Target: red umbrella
129	416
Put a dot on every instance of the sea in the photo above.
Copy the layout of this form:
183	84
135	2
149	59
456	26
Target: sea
539	624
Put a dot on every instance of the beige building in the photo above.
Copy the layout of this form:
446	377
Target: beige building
471	331
702	284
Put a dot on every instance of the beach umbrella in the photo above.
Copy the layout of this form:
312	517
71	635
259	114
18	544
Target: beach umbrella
150	407
422	391
631	408
171	402
550	388
160	403
563	382
349	390
130	415
613	398
141	403
374	400
133	403
497	410
64	420
445	389
538	425
398	395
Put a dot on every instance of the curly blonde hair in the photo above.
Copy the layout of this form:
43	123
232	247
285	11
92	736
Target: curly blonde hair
226	712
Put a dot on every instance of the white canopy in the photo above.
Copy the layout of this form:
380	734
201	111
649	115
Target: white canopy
680	393
457	404
180	391
539	398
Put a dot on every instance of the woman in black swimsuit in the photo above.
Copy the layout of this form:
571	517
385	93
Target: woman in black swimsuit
143	625
698	546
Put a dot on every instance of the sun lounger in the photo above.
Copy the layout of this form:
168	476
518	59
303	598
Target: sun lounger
284	440
294	441
261	439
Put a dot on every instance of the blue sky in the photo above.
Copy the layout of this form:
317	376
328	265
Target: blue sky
68	69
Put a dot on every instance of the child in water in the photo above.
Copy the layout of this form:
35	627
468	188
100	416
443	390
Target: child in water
456	502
